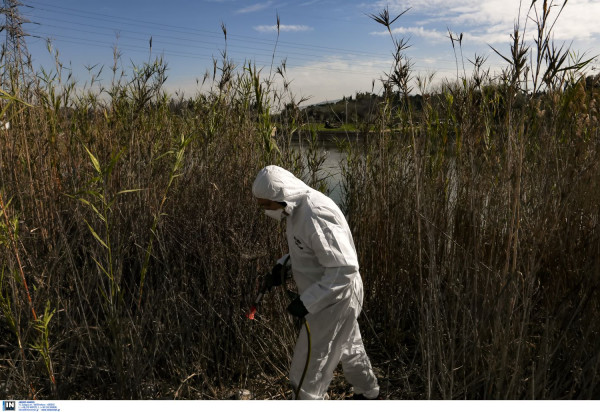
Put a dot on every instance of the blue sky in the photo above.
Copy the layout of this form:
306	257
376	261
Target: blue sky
331	47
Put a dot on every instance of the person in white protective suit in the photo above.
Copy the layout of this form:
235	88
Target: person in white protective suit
325	269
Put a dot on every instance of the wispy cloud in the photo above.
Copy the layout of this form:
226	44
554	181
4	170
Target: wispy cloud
432	34
282	28
308	3
255	7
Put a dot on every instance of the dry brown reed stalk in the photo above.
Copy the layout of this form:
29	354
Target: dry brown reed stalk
11	229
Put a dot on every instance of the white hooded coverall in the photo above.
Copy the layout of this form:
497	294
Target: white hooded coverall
325	269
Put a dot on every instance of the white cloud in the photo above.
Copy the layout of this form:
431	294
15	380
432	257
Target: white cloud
492	21
334	77
282	28
432	35
255	7
438	8
579	21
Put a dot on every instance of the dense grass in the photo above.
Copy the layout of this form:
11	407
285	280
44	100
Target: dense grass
131	246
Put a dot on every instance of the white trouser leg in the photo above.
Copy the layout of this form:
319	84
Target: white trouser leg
357	367
334	334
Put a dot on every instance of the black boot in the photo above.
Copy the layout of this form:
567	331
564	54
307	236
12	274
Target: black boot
361	397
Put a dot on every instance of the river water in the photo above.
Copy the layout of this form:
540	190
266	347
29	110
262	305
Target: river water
330	170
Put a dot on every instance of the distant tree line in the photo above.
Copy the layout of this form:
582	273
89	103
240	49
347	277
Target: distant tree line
363	107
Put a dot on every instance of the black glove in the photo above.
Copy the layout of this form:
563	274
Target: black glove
275	278
297	308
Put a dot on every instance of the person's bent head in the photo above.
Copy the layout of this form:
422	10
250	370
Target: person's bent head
277	191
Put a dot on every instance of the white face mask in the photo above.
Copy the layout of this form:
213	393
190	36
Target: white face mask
276	214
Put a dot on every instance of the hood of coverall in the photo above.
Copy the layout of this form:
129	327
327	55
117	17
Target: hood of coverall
277	184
